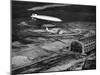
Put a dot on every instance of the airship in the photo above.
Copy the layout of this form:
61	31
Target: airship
44	17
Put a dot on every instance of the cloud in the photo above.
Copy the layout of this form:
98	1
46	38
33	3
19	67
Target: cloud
47	6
